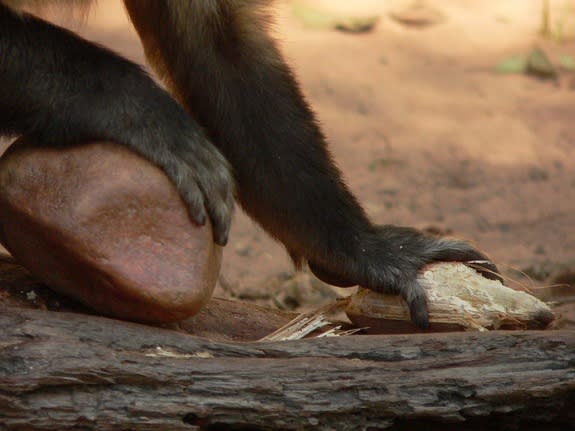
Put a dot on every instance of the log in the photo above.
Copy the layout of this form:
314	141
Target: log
64	368
71	371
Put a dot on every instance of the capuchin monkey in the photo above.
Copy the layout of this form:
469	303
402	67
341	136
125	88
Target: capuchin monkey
235	125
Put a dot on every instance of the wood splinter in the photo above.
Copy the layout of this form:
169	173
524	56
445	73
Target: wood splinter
458	298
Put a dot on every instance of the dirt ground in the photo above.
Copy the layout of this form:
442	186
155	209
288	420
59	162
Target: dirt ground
424	131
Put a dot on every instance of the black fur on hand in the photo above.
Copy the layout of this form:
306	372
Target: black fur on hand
389	259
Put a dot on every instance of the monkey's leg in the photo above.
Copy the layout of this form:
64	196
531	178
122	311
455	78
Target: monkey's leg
219	60
59	89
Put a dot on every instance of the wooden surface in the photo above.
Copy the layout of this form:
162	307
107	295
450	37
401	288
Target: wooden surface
64	370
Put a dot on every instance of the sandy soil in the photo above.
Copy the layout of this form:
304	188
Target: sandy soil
425	133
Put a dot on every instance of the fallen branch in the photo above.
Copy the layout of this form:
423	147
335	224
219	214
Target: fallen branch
62	370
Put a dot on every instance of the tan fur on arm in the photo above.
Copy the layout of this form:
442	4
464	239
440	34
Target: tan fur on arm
38	5
172	30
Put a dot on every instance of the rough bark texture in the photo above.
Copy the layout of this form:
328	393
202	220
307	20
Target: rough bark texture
61	371
76	371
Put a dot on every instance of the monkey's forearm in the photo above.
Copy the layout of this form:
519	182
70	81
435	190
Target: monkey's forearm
226	70
55	86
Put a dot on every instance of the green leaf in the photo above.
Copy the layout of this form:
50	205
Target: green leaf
513	64
567	62
316	18
359	24
312	17
538	64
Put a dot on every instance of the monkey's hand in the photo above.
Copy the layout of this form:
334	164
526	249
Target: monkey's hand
58	89
389	258
169	138
159	130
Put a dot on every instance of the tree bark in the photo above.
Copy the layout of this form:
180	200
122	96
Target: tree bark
67	371
62	370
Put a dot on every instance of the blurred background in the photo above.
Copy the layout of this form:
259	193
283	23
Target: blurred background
455	116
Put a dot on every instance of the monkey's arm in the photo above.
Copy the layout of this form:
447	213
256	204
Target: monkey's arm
219	61
59	89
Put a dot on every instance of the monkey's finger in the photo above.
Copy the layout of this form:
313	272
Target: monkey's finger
414	296
219	203
460	251
486	268
216	183
193	197
220	215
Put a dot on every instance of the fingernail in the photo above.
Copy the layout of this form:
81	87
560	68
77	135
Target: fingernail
222	239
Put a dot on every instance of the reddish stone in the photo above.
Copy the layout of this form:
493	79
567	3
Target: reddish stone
106	227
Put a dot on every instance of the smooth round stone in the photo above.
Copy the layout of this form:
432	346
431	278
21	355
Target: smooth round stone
101	224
